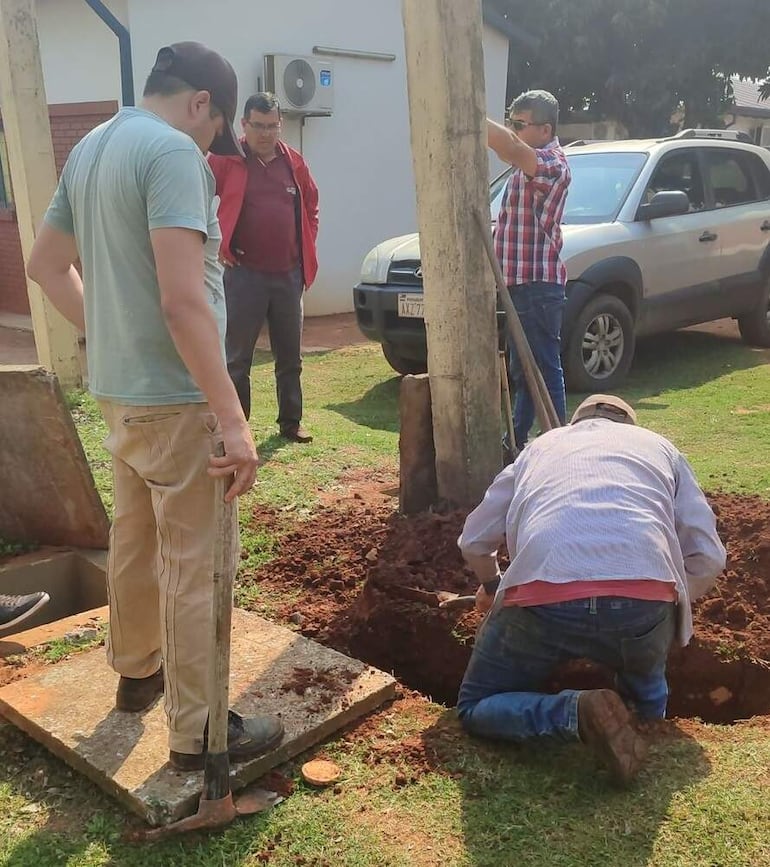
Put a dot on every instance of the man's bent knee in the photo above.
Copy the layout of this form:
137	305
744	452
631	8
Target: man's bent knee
465	716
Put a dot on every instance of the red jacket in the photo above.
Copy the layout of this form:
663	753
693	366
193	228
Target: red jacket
231	175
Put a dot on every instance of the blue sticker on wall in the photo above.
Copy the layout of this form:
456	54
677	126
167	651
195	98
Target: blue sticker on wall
326	77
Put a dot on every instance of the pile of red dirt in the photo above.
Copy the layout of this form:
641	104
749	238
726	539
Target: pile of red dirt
724	673
737	613
352	559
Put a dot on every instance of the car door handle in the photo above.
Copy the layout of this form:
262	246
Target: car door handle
708	236
765	227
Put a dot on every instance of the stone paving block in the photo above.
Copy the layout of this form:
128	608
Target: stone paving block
417	454
69	707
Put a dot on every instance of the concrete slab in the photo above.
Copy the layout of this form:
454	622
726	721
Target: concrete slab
68	707
22	642
47	491
73	578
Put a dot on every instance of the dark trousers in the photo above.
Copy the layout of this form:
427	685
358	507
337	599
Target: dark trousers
253	297
541	308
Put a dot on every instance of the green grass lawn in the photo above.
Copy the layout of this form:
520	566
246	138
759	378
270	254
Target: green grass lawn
701	802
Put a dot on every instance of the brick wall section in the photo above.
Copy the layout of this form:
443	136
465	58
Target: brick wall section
69	123
13	286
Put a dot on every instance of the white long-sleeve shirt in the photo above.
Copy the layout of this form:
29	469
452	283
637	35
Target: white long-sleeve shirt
595	501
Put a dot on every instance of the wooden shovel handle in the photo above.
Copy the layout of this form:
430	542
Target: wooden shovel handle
219	652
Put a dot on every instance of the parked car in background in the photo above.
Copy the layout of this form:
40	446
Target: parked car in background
658	234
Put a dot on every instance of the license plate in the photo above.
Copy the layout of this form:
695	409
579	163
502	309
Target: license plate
411	306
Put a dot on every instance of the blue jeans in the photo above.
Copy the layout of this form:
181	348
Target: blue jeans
541	309
517	649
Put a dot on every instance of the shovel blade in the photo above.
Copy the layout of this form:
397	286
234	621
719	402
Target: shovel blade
211	815
252	801
444	597
435	598
457	602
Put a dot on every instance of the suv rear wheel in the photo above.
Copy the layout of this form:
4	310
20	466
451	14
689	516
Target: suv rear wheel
755	326
600	348
401	364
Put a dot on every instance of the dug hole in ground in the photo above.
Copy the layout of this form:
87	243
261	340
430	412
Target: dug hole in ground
343	568
336	576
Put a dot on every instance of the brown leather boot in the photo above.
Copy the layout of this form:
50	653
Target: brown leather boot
138	693
604	724
297	434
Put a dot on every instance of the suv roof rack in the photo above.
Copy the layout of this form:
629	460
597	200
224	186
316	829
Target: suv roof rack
727	134
581	142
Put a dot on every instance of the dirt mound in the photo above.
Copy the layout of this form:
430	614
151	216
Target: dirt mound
352	559
737	613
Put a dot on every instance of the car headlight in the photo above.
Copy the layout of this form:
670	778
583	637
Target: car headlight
370	267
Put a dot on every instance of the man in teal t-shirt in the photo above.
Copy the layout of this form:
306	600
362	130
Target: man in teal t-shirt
135	203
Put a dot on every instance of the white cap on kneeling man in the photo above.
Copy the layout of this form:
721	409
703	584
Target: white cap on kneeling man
604	406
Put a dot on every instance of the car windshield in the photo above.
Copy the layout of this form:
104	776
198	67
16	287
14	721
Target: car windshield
600	184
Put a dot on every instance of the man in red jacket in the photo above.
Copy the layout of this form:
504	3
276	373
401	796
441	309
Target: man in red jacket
268	214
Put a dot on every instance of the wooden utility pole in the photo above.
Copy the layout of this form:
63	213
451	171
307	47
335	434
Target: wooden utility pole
447	104
33	173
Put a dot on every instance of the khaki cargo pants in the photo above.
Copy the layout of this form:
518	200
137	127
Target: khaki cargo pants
159	572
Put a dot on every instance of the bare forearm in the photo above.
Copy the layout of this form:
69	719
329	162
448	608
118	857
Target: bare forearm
196	337
484	568
510	148
65	291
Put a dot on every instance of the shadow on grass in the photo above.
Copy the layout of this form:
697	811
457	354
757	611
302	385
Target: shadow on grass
377	409
272	445
685	359
548	803
86	827
675	361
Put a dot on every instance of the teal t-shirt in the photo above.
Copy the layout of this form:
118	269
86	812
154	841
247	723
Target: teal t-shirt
133	174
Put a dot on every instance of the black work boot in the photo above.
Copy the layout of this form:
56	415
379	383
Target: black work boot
138	693
247	738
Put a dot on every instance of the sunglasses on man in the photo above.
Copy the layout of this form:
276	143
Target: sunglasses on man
519	125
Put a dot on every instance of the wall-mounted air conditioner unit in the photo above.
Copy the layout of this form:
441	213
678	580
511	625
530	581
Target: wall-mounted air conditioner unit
304	85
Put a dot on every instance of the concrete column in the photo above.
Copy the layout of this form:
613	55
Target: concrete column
445	67
33	173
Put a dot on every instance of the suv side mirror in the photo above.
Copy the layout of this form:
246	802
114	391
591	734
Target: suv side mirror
666	203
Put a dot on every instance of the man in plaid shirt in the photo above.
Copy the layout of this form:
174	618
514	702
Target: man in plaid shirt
528	242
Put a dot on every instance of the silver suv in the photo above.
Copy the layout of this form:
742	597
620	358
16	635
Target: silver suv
658	235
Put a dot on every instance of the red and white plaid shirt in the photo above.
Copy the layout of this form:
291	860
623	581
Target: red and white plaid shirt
528	238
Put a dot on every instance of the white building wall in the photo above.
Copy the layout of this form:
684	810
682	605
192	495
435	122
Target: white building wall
81	60
496	81
751	125
360	157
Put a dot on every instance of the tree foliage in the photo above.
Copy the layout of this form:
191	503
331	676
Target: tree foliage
639	61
